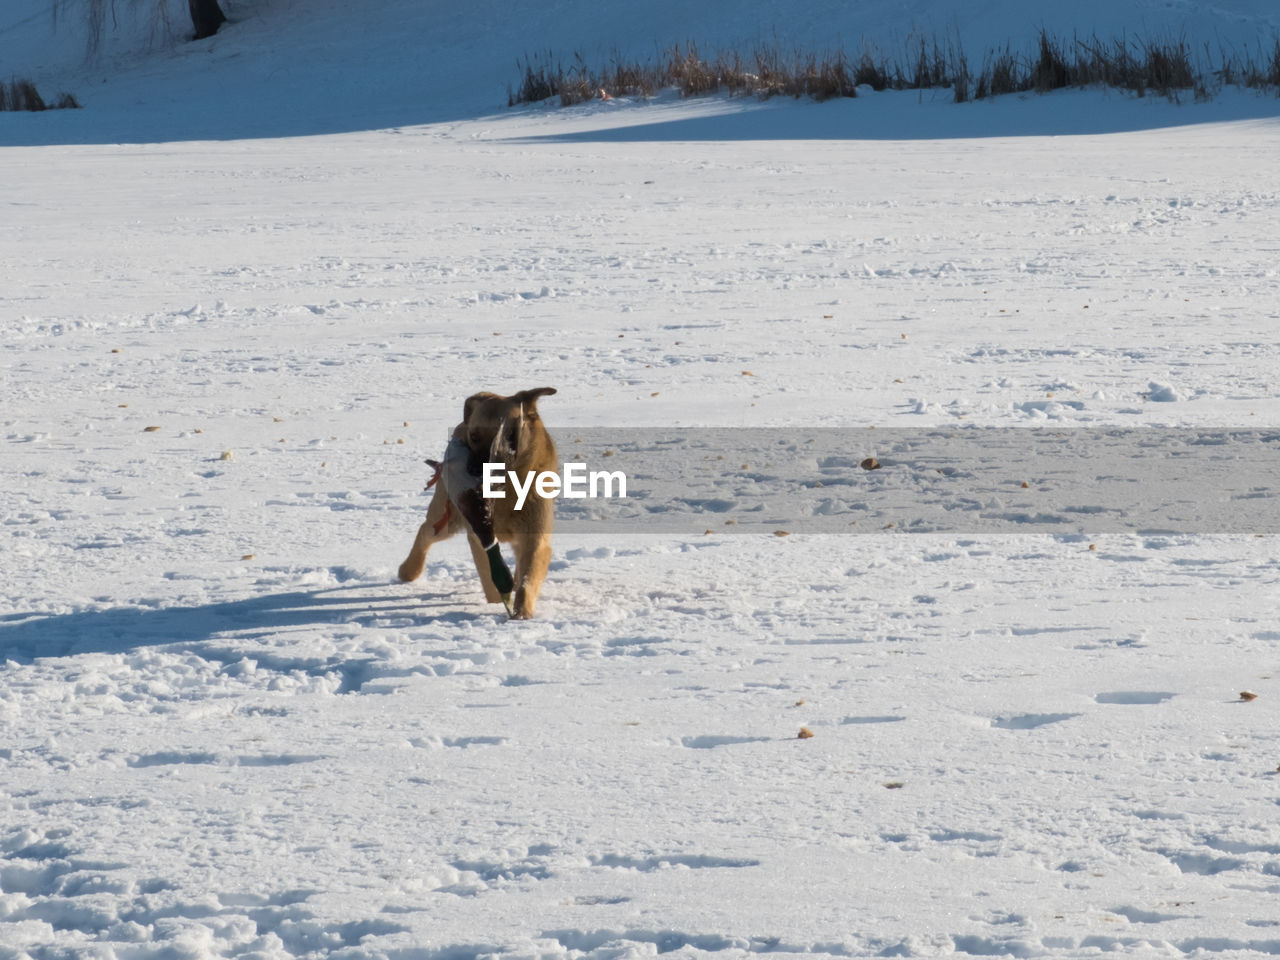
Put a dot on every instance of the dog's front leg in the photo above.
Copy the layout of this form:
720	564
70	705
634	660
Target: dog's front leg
533	556
436	527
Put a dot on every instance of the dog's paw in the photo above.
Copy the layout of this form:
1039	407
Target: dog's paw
522	609
409	571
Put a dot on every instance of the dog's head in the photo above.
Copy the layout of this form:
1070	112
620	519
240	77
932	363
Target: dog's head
500	428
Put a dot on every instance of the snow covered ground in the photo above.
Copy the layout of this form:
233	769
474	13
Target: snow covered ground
226	728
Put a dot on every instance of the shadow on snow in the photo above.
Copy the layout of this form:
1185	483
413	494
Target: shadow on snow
123	629
890	115
897	115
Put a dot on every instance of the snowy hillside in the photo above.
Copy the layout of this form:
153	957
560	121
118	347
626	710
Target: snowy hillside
245	292
284	69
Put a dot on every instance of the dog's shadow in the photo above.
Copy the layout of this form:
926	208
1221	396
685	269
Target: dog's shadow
118	630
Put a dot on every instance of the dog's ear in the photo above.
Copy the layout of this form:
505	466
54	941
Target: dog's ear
529	398
470	404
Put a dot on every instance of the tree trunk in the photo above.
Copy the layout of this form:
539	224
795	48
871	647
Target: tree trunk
206	17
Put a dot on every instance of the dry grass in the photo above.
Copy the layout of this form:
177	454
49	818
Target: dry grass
23	95
1164	66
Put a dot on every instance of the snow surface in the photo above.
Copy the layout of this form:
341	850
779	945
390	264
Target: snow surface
228	731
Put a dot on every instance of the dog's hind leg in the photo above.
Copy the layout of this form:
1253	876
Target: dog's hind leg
441	522
533	556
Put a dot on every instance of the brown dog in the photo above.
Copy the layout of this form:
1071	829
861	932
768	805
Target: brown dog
506	430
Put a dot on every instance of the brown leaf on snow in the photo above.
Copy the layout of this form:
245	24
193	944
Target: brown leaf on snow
804	734
871	463
1247	695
